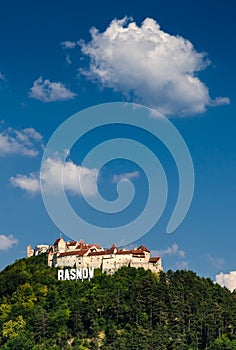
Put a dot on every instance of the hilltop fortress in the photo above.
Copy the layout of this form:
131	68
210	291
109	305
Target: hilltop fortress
82	255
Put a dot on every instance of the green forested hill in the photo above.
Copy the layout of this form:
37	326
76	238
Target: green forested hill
132	309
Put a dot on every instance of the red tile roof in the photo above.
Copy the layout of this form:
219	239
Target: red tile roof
137	251
74	252
112	250
124	252
154	260
71	243
144	249
85	246
82	248
57	241
93	245
103	252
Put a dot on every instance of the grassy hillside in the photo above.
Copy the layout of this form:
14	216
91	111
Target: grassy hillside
132	309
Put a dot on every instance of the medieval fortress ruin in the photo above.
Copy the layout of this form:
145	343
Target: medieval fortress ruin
82	255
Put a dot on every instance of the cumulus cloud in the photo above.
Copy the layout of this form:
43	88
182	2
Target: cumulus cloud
75	178
25	142
173	250
125	176
158	69
46	91
227	280
27	183
7	242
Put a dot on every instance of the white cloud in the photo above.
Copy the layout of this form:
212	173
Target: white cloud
46	91
170	251
27	183
227	280
25	142
125	176
219	101
159	69
75	178
7	242
68	44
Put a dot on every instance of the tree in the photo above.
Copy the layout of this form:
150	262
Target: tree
11	329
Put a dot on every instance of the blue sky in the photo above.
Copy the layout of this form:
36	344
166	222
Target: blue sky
51	68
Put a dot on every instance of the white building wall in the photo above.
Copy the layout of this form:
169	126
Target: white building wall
108	263
69	260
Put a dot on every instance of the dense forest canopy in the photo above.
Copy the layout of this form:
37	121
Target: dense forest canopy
132	309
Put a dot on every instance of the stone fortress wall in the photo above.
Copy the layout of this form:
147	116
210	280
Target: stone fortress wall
80	254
